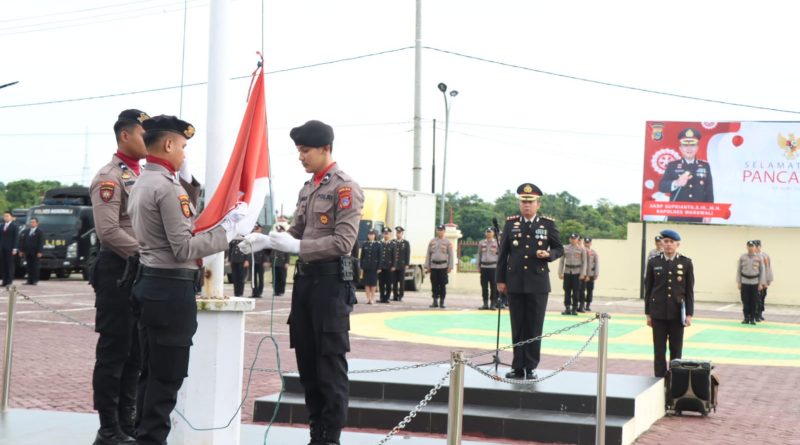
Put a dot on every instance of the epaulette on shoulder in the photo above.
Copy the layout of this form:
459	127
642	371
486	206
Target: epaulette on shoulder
549	218
686	257
513	218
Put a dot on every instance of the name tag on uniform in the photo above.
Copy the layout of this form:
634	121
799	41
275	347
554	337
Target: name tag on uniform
657	268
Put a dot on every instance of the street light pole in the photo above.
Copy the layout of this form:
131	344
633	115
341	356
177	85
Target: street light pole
447	103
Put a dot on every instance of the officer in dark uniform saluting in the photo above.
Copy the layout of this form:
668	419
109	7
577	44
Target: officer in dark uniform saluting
688	179
402	256
117	364
669	294
162	210
528	244
323	233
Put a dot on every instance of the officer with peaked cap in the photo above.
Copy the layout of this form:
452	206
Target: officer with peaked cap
439	263
162	211
487	262
751	278
669	295
688	179
657	250
386	266
323	232
529	243
117	364
402	257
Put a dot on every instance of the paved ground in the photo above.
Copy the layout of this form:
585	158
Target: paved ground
53	358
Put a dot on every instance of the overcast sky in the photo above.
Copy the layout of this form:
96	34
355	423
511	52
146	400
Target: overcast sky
509	124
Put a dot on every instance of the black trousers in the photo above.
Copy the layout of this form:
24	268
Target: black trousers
238	275
572	288
439	281
488	285
527	319
319	325
33	266
666	331
762	300
117	356
385	279
7	265
399	283
279	279
589	288
258	279
750	300
167	323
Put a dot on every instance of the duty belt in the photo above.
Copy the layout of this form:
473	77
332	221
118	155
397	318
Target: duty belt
489	264
438	262
310	269
176	274
750	276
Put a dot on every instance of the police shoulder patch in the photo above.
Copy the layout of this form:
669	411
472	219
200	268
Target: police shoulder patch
107	189
185	208
345	197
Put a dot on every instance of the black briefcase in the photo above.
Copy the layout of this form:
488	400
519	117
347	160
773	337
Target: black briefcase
691	386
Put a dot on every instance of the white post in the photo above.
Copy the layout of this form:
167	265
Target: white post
218	147
212	393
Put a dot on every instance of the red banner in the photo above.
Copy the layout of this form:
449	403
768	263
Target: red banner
687	209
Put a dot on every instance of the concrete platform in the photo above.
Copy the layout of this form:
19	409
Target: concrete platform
36	427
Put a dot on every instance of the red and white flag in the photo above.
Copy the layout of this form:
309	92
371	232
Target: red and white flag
246	179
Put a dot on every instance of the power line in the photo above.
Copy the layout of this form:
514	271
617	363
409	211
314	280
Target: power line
609	84
75	11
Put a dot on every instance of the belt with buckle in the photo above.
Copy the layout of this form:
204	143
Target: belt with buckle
176	274
489	264
311	269
438	262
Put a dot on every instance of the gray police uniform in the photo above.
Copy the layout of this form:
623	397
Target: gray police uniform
769	278
592	272
386	274
439	260
487	261
669	283
750	274
527	279
326	221
402	257
118	362
162	210
573	267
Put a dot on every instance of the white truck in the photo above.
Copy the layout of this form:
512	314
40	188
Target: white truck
414	211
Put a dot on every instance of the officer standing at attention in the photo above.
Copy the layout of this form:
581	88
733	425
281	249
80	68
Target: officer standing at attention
117	359
688	179
439	263
259	258
239	264
592	274
162	210
370	257
323	233
280	265
572	270
751	278
669	286
529	243
386	266
402	256
658	249
769	277
487	261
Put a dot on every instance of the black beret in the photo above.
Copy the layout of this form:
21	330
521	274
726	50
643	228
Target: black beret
528	192
399	229
132	116
689	136
312	134
169	123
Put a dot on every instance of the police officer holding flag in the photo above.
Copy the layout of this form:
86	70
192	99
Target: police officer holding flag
323	233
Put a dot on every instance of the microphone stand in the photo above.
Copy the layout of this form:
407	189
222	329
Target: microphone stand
496	357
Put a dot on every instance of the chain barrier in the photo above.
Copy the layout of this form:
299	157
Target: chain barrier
57	312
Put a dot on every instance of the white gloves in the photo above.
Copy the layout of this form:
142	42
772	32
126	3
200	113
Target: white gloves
284	242
234	216
255	242
184	172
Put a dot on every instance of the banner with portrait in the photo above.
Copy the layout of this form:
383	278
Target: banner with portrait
737	173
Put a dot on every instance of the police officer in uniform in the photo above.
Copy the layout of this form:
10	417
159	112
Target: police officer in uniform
259	258
487	261
402	257
239	264
669	286
751	278
386	266
658	249
162	210
117	359
323	233
279	261
439	263
370	261
592	274
688	179
769	278
572	270
529	242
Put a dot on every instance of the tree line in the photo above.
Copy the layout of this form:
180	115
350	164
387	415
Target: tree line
602	220
24	193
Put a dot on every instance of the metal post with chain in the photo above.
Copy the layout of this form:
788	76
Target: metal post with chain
9	343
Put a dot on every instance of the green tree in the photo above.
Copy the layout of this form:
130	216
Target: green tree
27	192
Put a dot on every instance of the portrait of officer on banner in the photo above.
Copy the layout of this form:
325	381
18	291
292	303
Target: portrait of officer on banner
688	179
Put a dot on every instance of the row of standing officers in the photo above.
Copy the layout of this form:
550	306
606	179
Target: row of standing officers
385	262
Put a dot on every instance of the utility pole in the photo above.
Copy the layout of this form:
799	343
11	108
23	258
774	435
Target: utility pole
417	169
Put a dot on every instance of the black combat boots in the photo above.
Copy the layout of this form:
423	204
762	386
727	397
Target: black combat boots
316	434
435	302
127	420
109	432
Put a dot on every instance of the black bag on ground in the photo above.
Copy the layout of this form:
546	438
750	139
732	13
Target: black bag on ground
691	386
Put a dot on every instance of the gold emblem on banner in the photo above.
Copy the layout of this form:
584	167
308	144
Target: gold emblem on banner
790	146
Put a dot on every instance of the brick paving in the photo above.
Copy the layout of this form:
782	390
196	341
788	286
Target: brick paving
53	359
